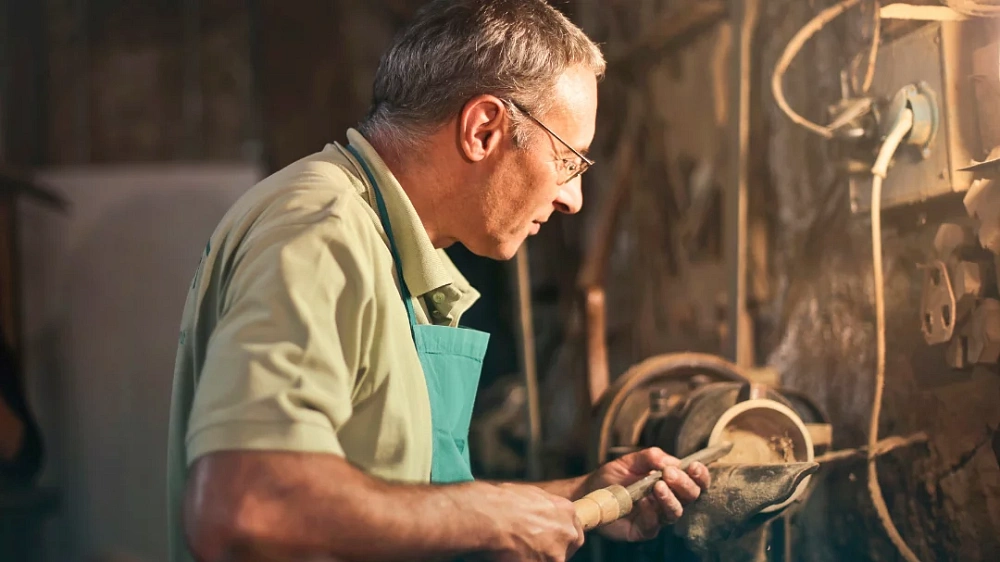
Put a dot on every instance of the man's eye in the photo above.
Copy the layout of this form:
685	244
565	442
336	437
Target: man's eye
570	165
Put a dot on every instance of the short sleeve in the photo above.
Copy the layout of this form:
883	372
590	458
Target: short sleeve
282	362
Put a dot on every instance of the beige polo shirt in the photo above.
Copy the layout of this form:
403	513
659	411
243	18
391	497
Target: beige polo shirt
294	336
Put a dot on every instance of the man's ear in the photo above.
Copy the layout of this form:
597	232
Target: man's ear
482	127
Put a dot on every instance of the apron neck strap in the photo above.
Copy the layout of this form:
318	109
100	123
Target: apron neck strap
387	225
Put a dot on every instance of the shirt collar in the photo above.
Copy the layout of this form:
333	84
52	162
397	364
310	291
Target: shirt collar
425	268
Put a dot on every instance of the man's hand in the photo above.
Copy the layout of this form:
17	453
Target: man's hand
663	506
534	524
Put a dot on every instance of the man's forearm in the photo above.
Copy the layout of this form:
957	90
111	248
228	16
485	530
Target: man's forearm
288	505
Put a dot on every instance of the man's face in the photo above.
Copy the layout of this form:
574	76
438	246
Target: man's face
529	183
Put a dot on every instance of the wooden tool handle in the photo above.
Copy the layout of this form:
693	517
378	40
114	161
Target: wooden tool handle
603	506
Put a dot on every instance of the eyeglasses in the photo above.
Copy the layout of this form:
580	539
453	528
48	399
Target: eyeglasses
573	167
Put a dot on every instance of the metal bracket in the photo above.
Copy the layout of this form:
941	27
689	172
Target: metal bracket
938	304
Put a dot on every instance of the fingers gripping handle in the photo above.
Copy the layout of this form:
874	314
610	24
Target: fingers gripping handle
603	506
614	502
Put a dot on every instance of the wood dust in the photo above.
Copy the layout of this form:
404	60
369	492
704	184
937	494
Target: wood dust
751	448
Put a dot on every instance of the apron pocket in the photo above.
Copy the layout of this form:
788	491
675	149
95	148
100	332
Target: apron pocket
449	463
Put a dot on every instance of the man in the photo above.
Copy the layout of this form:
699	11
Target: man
323	388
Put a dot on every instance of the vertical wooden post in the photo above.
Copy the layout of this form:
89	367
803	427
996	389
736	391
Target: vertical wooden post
744	14
529	366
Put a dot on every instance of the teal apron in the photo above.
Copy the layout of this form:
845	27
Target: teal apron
452	360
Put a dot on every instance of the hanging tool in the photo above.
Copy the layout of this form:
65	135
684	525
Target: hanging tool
603	506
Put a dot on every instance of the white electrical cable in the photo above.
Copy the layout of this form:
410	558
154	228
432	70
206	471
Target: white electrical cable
920	12
791	50
899	131
873	51
862	89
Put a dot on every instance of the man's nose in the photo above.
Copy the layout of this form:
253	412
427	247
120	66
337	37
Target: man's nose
570	198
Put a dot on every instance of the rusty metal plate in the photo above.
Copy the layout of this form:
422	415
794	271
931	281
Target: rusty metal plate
938	304
986	84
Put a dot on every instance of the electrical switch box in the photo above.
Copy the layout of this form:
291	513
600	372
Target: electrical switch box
938	58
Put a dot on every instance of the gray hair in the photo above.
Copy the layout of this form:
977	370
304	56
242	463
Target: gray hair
455	50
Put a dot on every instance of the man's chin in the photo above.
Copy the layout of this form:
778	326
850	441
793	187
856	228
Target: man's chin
507	254
500	251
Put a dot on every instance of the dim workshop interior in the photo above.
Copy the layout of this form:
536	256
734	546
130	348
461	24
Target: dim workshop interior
764	326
